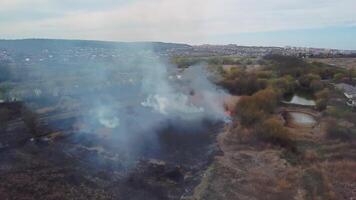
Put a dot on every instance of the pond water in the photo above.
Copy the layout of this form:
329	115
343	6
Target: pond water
302	119
299	100
302	101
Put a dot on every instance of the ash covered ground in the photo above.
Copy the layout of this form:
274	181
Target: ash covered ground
129	127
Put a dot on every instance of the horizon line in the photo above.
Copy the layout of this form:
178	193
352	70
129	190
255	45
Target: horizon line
172	42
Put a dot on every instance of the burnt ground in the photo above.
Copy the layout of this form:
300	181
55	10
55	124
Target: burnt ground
65	164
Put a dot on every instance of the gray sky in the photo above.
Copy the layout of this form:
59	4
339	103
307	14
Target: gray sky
186	21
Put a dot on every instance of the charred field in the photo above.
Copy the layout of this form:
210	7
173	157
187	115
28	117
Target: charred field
128	127
85	166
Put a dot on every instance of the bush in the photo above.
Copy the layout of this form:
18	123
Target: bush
267	99
286	84
310	82
272	130
316	85
335	131
184	62
239	82
323	94
248	111
264	74
316	184
253	109
321	104
322	99
338	76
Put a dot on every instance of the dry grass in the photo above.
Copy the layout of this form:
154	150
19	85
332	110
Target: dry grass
339	62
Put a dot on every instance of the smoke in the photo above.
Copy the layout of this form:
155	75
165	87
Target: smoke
107	118
156	93
187	95
172	104
128	100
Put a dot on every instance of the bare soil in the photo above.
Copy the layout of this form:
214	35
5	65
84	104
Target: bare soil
322	168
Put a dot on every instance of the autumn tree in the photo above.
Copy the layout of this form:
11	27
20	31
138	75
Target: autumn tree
308	80
322	98
286	84
253	109
272	130
248	111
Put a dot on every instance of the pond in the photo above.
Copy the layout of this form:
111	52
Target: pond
302	101
301	119
298	99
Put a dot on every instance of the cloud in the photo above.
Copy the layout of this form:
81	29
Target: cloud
173	20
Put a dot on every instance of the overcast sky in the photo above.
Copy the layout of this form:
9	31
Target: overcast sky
319	23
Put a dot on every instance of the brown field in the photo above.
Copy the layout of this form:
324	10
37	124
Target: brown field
338	62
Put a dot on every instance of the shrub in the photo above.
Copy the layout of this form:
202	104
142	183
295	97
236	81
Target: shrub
266	99
272	130
264	74
239	82
322	99
316	184
310	82
336	131
338	76
321	104
316	85
184	62
323	94
248	112
286	84
253	109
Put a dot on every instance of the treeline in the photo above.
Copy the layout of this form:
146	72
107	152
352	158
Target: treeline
184	62
307	72
261	91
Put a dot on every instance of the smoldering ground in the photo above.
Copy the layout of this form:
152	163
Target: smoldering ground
163	102
131	126
131	106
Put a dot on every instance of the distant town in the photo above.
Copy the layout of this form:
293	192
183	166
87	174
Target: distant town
52	51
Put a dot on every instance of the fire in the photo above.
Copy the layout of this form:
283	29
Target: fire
228	113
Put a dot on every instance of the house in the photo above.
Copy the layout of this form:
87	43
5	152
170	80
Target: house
349	92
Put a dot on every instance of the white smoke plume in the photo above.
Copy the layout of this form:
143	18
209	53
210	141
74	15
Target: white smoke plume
128	100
